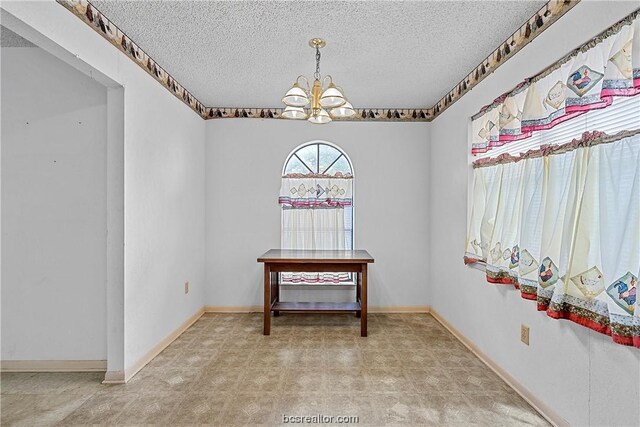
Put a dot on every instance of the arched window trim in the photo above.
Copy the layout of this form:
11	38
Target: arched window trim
293	152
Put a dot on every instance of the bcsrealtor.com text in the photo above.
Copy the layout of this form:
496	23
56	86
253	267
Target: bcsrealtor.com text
319	419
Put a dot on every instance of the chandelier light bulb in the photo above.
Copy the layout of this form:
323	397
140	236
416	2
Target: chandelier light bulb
296	97
320	117
332	97
295	113
343	112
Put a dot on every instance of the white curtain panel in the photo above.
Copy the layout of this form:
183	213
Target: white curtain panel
319	228
532	216
506	220
564	227
604	259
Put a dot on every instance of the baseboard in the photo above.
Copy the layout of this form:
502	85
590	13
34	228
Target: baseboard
53	365
374	309
114	377
544	410
135	368
400	309
233	309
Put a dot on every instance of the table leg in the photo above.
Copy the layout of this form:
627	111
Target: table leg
267	299
275	291
358	285
363	302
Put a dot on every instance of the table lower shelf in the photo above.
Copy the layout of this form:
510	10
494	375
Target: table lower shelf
332	307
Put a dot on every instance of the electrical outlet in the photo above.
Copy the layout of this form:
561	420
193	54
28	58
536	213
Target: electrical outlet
524	334
186	287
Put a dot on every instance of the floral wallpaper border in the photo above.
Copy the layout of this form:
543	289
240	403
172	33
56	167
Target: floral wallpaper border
362	114
547	15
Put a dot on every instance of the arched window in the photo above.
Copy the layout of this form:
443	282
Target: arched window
317	205
318	158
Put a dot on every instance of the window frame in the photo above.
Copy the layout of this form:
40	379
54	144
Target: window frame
318	142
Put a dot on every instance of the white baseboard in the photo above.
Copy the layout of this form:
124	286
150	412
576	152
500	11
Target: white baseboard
114	377
371	309
400	309
233	309
544	410
135	368
53	365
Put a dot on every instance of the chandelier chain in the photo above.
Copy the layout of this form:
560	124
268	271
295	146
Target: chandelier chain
316	75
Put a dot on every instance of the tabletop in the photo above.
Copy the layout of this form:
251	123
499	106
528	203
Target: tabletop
316	256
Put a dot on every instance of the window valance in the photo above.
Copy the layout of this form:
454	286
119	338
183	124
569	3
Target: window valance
316	191
588	139
586	79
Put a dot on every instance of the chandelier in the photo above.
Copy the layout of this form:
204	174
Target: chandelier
318	103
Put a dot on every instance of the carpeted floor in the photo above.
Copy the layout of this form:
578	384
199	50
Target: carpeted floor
223	371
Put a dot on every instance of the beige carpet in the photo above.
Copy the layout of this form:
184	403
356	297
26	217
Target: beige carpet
223	371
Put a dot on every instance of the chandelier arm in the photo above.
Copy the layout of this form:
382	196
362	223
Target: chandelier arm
308	88
328	76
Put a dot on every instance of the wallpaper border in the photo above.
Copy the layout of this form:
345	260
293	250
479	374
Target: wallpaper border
534	26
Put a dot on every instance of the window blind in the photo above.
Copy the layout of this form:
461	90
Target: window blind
623	114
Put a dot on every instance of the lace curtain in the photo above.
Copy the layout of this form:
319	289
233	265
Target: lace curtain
562	224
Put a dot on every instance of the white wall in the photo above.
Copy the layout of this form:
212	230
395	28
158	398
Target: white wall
164	213
163	183
54	216
244	160
582	375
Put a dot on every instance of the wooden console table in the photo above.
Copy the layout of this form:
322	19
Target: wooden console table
295	261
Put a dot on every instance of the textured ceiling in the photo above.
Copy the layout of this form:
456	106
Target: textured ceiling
383	53
10	39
